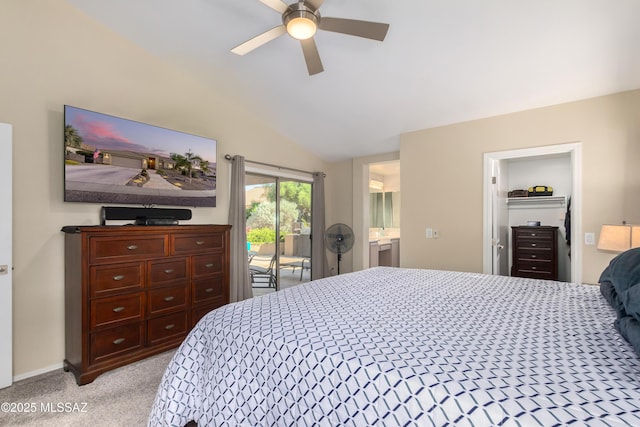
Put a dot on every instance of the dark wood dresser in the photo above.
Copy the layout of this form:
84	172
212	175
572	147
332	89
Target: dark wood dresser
135	291
535	252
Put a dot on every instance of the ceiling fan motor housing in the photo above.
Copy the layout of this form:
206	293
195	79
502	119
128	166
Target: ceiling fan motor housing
303	12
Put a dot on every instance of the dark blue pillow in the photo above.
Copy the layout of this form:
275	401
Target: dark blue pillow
631	301
609	293
629	328
623	271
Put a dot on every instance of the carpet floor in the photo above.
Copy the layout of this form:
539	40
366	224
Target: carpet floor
122	397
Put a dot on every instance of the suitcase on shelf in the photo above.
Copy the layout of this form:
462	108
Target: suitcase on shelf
518	193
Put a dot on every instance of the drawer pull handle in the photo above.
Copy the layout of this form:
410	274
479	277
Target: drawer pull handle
132	247
533	234
170	326
209	265
200	242
169	270
533	245
118	277
169	298
534	268
118	341
118	309
534	256
208	290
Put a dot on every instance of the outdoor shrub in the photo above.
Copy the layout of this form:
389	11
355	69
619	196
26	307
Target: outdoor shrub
262	235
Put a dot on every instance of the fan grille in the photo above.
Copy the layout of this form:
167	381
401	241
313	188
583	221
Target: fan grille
339	238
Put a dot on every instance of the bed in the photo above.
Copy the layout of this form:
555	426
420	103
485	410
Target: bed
403	347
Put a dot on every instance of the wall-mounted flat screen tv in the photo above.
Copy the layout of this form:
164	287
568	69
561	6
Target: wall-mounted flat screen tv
108	159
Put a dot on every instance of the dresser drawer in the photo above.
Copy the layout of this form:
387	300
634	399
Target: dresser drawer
122	248
191	244
205	265
107	279
535	266
535	233
116	341
108	310
535	254
167	271
167	299
173	326
208	290
529	243
534	274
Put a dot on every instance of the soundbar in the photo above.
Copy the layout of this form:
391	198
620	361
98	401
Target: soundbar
144	216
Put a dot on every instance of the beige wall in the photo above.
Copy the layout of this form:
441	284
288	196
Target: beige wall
442	168
51	55
339	207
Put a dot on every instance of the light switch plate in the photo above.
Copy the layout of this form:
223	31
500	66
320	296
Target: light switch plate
589	238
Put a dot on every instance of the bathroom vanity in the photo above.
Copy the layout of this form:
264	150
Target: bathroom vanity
384	252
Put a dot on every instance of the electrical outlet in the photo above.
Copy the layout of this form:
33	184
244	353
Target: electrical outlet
436	234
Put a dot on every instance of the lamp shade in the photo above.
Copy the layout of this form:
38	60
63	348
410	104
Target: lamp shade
616	238
635	236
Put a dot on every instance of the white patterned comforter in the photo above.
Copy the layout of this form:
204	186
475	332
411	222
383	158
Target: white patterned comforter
396	347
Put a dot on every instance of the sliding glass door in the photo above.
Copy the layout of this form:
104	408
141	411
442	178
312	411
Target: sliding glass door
278	232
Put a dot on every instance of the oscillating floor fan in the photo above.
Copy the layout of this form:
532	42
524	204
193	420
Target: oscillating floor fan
339	239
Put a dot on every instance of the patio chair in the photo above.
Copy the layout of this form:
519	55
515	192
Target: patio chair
263	277
303	263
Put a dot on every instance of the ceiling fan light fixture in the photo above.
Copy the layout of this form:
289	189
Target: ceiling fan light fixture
301	28
301	21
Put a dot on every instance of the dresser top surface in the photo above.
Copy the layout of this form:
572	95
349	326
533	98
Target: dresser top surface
145	228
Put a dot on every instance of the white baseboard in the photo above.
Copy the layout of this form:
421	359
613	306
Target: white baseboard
37	372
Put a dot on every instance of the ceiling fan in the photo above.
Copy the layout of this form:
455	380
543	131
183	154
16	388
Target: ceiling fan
301	20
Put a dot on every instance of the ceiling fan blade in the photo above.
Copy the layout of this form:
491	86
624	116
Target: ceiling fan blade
259	40
353	27
277	5
314	4
311	56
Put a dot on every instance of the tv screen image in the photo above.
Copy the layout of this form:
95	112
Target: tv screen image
114	160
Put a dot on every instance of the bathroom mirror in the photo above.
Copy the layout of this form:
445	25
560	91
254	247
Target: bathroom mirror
384	210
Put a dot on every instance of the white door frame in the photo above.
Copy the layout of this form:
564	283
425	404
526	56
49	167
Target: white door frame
6	314
574	149
499	234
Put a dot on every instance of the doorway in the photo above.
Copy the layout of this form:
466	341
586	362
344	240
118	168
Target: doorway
496	249
278	211
384	214
6	313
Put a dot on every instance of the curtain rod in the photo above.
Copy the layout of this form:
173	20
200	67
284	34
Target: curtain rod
229	157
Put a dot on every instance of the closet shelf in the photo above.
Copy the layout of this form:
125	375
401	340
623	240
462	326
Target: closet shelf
537	201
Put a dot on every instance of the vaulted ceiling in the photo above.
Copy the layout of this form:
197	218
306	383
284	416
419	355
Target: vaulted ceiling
442	62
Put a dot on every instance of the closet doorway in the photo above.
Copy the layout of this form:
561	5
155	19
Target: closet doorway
508	170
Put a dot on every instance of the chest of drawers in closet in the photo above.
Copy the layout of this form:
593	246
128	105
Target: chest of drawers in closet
535	252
